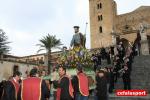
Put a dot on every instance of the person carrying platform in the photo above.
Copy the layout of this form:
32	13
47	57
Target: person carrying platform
64	85
11	88
33	88
80	84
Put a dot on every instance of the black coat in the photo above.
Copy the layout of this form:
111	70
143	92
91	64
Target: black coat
75	84
2	85
64	85
9	91
126	76
101	88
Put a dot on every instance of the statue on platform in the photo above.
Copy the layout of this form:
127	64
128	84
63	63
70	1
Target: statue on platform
77	54
78	43
78	39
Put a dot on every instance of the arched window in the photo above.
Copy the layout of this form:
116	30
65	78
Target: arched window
100	17
100	5
100	29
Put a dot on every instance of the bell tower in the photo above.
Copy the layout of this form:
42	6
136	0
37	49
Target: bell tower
102	18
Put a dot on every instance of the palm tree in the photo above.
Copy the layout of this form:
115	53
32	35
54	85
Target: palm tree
48	43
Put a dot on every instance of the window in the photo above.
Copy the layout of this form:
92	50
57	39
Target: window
100	17
99	5
37	58
15	68
126	27
100	29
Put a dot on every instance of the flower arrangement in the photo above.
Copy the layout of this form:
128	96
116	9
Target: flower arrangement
76	56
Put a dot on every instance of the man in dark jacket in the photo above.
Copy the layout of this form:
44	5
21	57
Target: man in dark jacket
101	86
80	84
64	86
12	87
126	78
111	80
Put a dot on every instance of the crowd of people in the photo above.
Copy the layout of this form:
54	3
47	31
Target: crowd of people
34	87
75	87
119	64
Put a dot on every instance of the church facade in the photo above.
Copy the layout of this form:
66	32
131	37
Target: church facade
107	27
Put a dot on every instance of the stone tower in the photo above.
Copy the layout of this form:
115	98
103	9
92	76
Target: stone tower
102	18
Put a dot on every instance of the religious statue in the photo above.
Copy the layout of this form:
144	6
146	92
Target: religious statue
142	32
78	43
141	28
77	54
78	39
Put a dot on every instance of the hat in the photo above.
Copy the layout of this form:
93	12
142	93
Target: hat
101	71
76	27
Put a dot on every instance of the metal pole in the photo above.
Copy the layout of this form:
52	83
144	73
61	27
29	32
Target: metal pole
86	27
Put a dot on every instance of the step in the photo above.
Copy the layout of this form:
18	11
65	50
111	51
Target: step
114	97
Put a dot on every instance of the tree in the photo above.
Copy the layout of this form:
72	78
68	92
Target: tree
4	48
48	43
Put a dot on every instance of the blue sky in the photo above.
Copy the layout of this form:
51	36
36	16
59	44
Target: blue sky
26	21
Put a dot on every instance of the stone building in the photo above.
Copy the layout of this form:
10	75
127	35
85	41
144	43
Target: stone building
9	64
107	27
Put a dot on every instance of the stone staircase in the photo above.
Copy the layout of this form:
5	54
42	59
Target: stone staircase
140	75
140	78
113	97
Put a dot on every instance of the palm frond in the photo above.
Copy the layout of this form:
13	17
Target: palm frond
40	50
49	42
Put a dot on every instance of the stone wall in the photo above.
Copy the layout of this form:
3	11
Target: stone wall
108	12
6	69
126	25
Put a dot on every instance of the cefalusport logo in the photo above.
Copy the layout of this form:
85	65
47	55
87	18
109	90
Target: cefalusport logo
131	92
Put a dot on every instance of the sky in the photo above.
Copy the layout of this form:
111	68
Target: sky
27	21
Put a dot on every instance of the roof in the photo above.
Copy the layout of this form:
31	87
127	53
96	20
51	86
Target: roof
41	54
141	8
12	56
